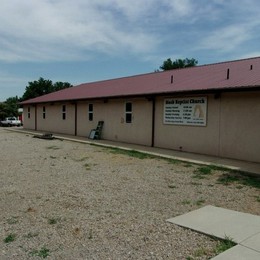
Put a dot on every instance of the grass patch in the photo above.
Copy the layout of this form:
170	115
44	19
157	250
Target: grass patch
237	177
224	245
43	252
201	252
172	161
10	238
131	153
204	170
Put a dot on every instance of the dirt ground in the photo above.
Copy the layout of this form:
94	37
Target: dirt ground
68	200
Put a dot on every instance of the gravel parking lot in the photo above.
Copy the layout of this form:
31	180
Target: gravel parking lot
68	200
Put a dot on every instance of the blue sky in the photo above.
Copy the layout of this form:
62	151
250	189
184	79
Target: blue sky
90	40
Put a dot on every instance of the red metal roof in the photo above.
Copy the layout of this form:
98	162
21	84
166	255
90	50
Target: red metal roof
242	74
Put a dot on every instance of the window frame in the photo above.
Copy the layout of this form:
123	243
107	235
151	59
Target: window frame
128	112
44	112
63	112
90	112
29	112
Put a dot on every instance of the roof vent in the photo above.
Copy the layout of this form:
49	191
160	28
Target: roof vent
227	73
251	67
171	79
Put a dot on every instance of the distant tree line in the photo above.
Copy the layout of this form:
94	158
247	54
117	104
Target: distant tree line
33	89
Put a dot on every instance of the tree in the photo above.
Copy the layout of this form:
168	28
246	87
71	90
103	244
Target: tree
42	87
9	107
178	63
61	85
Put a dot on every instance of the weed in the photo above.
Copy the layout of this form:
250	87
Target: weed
53	147
186	202
195	183
224	245
90	235
200	202
200	252
10	238
82	159
132	153
12	220
31	235
188	165
204	170
227	178
257	198
173	161
53	221
87	166
43	252
253	181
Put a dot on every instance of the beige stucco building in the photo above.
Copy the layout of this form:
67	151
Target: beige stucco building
212	109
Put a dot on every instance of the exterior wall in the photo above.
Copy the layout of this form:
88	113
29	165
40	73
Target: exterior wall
112	112
197	139
29	123
53	121
240	126
232	131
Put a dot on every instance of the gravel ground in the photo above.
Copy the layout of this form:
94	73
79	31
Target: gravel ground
70	200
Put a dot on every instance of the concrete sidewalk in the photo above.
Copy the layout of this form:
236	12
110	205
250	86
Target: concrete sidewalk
242	228
244	166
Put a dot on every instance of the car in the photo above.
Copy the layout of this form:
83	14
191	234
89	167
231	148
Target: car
11	121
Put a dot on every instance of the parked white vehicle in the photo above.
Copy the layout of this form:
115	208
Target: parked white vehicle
11	121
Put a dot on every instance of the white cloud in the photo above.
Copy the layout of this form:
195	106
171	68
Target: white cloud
50	30
226	39
64	30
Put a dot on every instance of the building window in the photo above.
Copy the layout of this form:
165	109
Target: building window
29	112
90	112
128	112
64	112
43	112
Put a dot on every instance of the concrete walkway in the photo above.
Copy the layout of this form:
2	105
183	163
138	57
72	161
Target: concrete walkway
244	166
242	228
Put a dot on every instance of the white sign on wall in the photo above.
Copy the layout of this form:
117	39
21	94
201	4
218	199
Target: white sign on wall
186	111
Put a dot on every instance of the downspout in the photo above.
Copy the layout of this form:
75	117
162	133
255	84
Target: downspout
76	119
35	119
153	120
